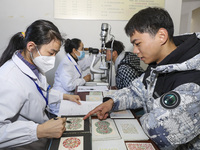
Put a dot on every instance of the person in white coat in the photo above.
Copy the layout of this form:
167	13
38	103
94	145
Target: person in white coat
24	91
69	73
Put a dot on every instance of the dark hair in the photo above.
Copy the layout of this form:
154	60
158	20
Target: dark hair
117	46
150	20
70	44
40	32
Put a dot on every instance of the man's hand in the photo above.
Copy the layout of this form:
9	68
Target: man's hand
101	110
51	128
73	98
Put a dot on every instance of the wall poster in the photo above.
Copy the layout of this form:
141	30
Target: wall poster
101	9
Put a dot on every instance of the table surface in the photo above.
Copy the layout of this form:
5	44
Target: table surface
82	96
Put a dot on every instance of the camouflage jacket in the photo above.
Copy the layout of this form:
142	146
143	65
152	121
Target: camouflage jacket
170	96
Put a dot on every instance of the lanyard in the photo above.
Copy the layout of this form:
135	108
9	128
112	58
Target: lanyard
75	66
39	89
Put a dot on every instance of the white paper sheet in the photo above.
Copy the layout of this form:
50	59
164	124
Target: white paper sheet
96	93
142	146
122	114
104	130
77	123
69	108
75	143
130	130
109	145
93	98
91	88
107	93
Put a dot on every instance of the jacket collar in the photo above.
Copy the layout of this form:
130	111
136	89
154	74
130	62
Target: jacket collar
23	67
185	50
71	59
27	71
185	57
119	58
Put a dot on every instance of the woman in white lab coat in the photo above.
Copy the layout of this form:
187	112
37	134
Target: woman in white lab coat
69	73
24	92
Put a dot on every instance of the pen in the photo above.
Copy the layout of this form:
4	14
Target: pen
68	121
55	118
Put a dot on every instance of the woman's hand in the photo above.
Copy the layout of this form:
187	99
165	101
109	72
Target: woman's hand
51	128
73	98
87	77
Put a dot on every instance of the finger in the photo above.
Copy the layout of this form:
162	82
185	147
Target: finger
64	119
100	115
55	118
78	102
78	98
64	128
105	116
64	123
90	113
104	111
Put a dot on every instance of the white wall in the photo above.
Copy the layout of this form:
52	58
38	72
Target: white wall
195	20
186	15
16	15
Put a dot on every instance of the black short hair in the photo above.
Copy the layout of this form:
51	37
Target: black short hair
117	46
70	44
150	20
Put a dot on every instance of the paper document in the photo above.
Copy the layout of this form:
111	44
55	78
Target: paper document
108	93
93	98
142	145
122	114
91	88
69	108
103	130
109	145
130	130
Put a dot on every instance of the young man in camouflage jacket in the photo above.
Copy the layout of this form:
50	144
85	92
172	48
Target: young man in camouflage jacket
169	90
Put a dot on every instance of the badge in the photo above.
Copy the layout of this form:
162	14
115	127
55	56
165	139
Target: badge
170	100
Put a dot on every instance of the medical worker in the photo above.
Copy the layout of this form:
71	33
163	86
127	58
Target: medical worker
24	91
169	90
69	73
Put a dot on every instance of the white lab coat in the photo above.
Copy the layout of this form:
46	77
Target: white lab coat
67	76
21	104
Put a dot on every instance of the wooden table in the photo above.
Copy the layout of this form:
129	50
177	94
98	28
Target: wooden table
83	97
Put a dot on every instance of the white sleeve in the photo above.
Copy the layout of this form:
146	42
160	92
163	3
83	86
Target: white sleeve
12	131
69	78
86	62
55	96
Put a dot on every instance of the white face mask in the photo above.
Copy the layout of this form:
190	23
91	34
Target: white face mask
44	63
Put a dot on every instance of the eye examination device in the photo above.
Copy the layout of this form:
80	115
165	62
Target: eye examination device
105	68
